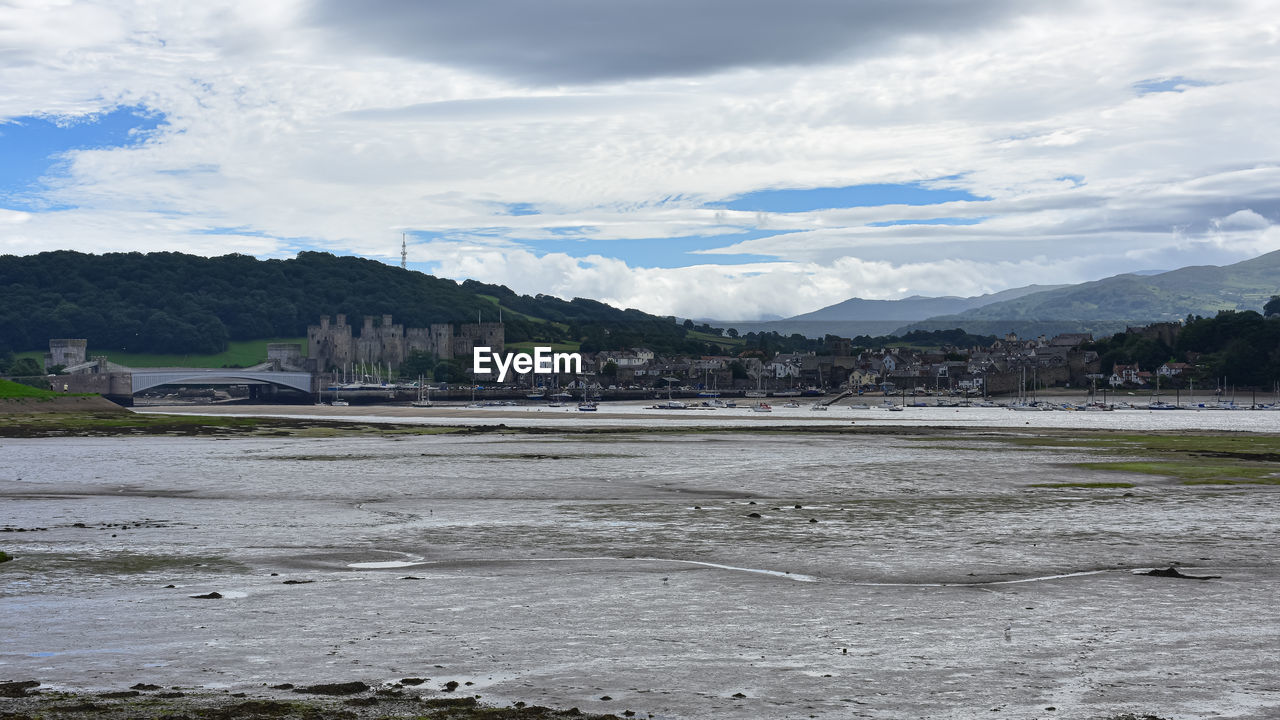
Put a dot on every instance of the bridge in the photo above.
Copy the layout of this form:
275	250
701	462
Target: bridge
120	383
147	378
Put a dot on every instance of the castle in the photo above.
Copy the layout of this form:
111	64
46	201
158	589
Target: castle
332	345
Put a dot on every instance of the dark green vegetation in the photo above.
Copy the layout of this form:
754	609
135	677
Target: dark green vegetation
1242	346
5	557
1191	458
103	424
183	304
10	389
765	344
1111	304
337	701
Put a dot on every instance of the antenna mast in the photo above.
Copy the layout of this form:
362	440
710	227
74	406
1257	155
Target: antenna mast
404	253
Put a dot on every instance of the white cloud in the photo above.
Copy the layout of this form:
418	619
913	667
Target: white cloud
302	142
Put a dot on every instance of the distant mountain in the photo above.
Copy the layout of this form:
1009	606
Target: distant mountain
915	307
857	316
1109	305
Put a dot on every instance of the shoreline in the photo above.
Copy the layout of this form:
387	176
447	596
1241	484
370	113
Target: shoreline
409	698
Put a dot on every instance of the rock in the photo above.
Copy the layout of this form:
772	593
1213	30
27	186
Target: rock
297	582
451	686
17	689
1172	572
170	587
119	694
144	686
282	686
605	698
754	515
215	595
347	688
738	695
412	681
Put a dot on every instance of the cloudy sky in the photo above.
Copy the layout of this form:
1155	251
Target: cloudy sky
732	159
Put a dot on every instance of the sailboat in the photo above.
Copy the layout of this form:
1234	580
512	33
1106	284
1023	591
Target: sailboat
587	405
422	401
1158	404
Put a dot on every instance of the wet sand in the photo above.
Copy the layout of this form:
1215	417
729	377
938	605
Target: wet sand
700	575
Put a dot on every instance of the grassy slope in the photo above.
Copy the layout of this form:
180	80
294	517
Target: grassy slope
516	313
10	389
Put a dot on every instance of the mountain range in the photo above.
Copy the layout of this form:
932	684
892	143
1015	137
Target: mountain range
1100	307
1110	305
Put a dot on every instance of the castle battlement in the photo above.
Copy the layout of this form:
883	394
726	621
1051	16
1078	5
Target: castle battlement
383	342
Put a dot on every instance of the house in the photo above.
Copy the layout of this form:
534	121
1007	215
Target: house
1173	369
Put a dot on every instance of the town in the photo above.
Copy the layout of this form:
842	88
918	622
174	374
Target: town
375	364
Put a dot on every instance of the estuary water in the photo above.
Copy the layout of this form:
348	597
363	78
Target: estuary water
709	575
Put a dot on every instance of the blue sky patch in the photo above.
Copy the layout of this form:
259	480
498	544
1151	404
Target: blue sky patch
1177	83
929	221
672	252
31	146
831	198
519	209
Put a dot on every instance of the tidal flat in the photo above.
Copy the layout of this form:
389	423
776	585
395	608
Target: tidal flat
699	573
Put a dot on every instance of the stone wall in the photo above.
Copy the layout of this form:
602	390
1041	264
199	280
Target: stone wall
384	342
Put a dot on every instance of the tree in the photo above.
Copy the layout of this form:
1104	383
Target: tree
418	364
25	366
1272	307
610	369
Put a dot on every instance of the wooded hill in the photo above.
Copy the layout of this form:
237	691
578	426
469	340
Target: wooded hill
1112	304
177	303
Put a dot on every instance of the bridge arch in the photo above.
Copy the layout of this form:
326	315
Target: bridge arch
147	379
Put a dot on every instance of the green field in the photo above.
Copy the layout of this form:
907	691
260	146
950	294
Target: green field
239	353
530	318
10	389
726	342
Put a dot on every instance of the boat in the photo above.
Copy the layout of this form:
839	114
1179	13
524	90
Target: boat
791	404
895	408
761	407
859	406
818	407
422	401
786	393
669	405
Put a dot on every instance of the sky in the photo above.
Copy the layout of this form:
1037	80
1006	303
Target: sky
731	159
